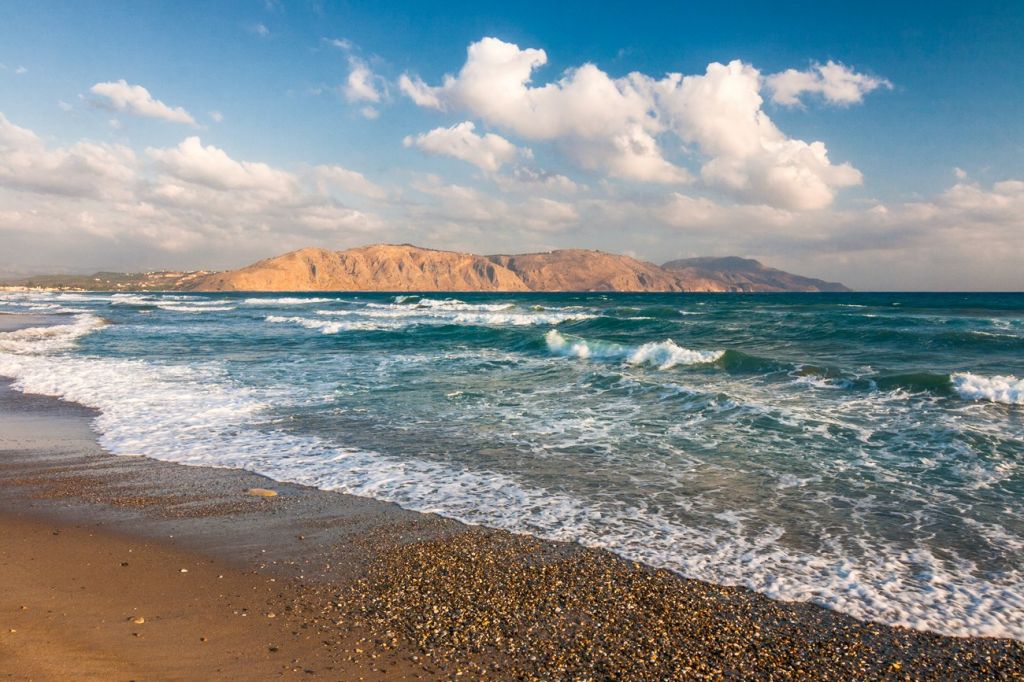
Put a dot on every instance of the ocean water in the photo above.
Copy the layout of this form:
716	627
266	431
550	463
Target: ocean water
861	451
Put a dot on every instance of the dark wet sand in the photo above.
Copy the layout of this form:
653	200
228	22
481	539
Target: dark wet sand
361	589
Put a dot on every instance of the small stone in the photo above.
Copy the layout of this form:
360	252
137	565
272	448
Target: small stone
184	570
271	615
138	620
261	492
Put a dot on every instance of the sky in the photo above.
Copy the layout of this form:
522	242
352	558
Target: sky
877	144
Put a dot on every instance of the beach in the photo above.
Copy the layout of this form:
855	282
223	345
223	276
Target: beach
119	567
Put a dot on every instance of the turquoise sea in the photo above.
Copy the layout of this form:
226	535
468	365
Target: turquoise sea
861	451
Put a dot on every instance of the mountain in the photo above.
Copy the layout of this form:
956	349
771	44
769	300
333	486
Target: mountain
746	274
403	267
585	270
380	267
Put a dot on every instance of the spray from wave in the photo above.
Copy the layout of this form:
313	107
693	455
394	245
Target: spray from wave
1008	390
661	354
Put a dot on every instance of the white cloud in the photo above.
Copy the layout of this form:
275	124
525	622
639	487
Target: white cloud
135	99
216	117
348	181
369	113
835	82
748	156
461	209
340	43
603	123
487	152
212	167
525	179
419	92
614	125
362	85
541	214
967	237
85	169
20	71
103	203
260	30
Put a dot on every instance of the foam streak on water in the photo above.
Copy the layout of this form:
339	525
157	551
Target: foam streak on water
844	450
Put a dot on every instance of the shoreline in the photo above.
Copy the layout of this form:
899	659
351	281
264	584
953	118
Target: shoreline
427	596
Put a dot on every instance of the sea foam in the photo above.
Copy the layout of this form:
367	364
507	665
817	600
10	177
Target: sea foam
49	339
1008	390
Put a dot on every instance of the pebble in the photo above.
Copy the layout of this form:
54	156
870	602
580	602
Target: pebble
262	492
482	600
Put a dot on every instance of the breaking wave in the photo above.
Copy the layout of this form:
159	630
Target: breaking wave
1008	390
662	354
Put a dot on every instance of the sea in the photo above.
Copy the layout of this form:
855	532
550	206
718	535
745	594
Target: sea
864	452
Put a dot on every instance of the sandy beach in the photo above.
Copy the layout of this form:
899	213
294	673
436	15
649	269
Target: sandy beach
128	568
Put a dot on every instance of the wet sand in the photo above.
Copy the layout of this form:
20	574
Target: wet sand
361	589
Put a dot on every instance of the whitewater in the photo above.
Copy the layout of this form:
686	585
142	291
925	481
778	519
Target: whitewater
864	452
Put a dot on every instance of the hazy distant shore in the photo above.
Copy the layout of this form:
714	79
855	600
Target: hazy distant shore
363	588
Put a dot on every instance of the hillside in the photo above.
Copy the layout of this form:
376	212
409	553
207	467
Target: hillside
746	274
388	267
381	267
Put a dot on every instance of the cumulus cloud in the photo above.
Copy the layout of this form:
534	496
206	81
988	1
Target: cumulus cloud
487	152
362	85
835	82
603	123
616	125
720	111
526	179
212	167
105	203
136	100
85	169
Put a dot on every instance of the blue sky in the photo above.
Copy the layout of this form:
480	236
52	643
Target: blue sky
921	186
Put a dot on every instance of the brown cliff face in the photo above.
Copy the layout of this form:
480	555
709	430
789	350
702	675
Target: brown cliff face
389	267
382	267
585	270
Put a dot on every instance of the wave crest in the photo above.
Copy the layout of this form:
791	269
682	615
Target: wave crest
1008	389
661	354
49	338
